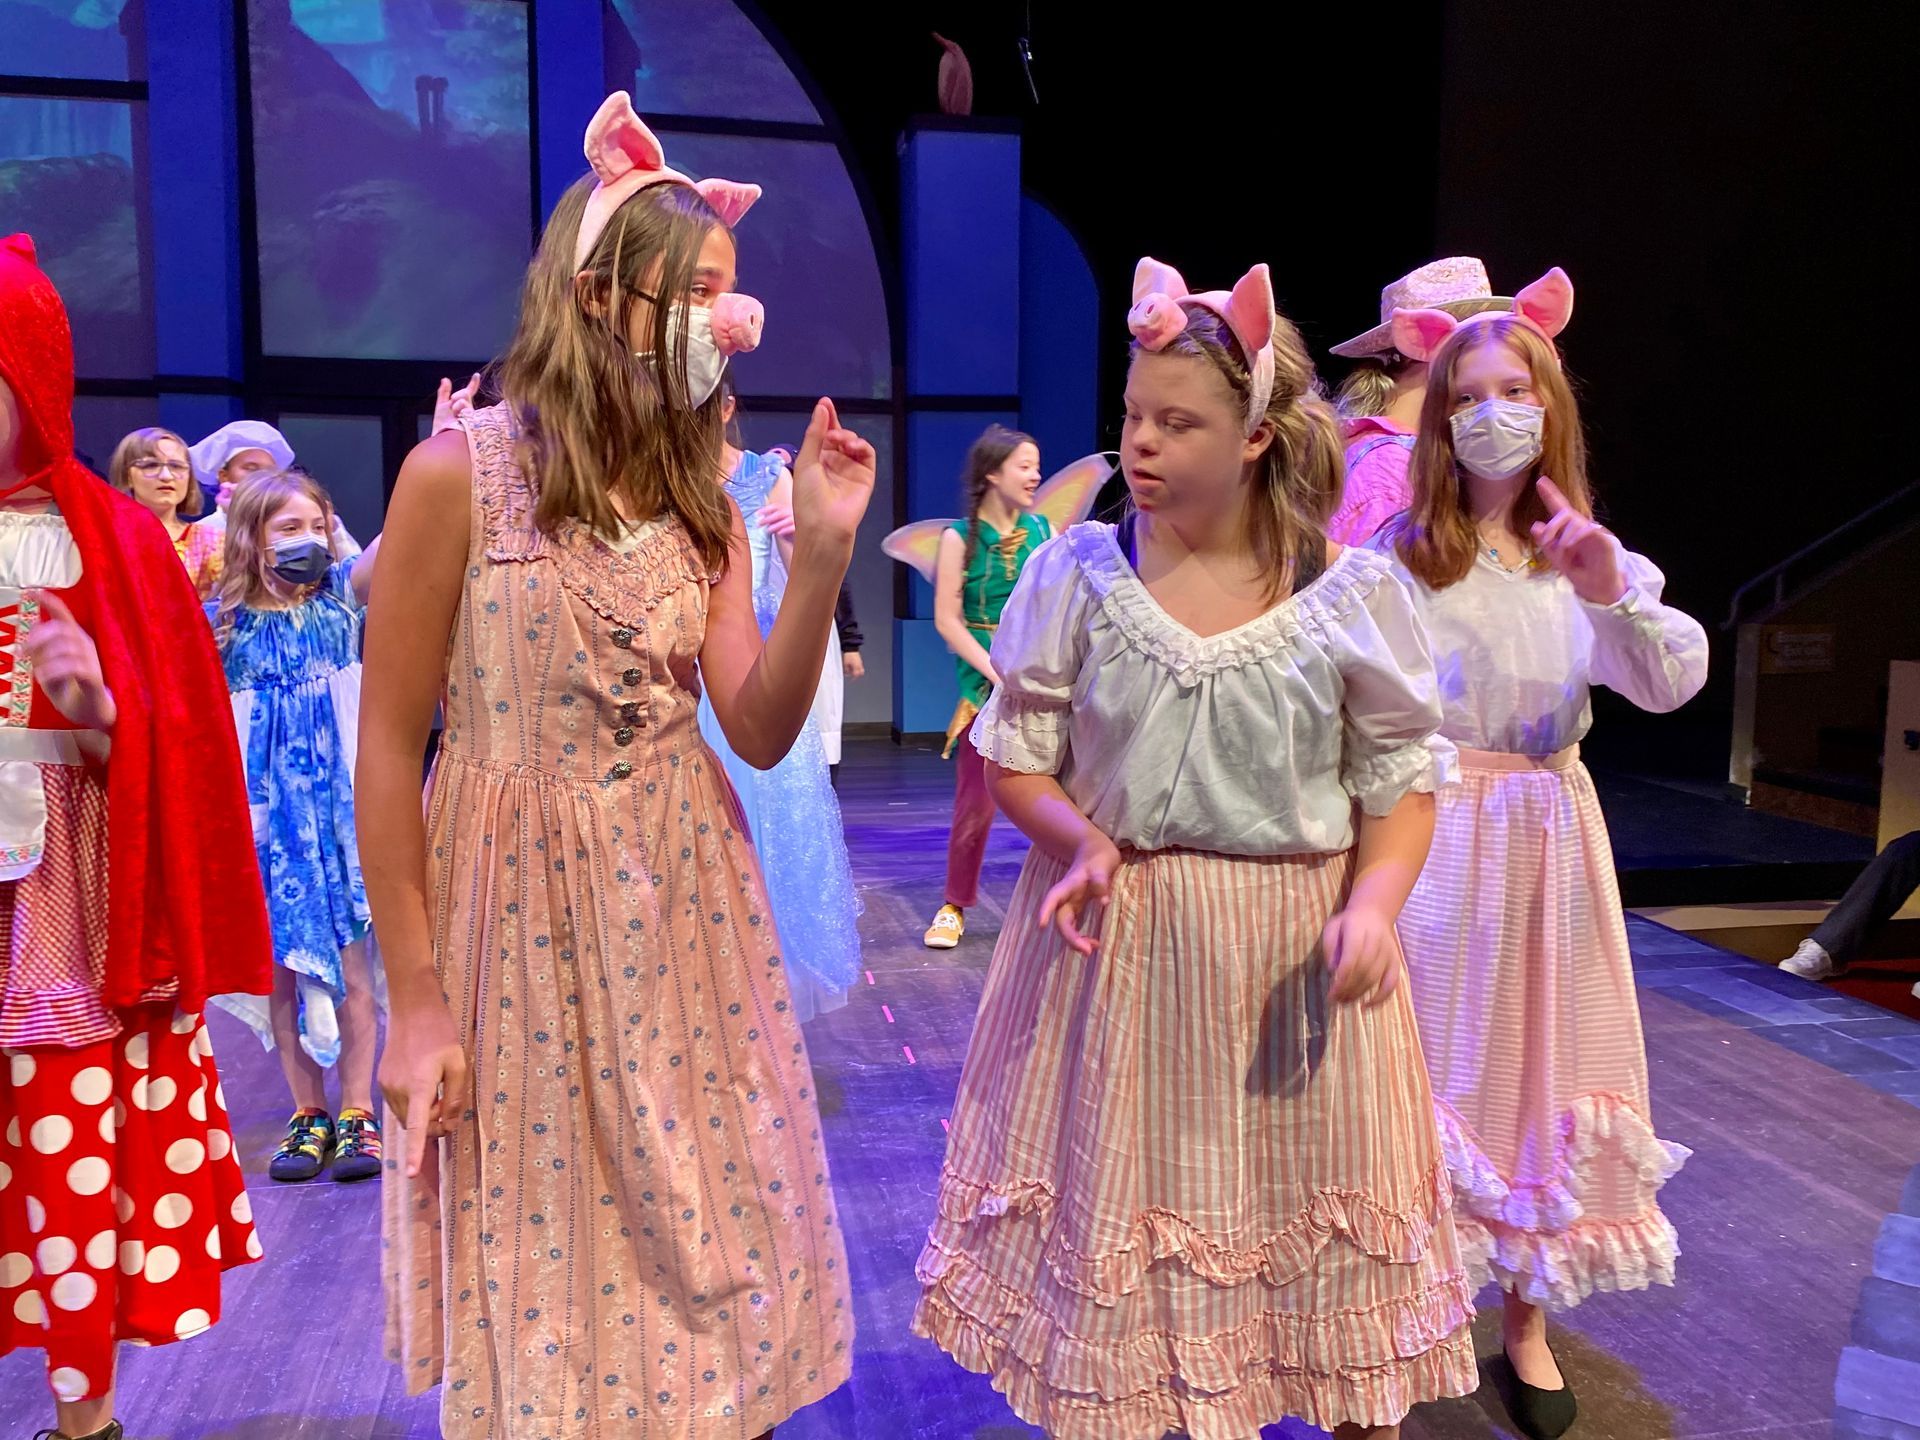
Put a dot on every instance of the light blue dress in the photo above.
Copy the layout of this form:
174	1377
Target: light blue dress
295	680
792	812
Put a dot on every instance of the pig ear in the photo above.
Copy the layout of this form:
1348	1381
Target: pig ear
1250	310
618	141
729	198
1417	334
1150	277
1547	302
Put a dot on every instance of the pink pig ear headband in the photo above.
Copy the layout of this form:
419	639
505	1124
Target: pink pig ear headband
626	158
1546	305
1157	318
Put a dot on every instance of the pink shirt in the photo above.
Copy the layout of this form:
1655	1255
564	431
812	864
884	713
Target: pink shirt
1378	451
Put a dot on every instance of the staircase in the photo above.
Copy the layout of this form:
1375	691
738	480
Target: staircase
1813	636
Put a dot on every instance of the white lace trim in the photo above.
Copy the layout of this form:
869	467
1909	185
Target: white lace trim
1314	612
1538	1239
1017	733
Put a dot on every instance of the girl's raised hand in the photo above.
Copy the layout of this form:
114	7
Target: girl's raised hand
450	404
832	480
1579	549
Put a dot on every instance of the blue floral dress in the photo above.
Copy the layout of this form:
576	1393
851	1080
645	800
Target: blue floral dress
791	811
295	680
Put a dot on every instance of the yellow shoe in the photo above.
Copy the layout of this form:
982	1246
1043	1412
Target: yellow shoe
947	928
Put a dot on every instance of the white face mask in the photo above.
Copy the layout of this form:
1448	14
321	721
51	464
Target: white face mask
1497	439
705	363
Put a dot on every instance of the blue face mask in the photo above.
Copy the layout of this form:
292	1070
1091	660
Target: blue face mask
301	562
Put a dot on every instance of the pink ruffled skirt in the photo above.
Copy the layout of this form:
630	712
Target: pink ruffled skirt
1182	1189
1523	983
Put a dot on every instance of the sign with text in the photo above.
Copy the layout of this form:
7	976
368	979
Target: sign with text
1796	650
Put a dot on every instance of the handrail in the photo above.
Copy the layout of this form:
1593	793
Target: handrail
1777	574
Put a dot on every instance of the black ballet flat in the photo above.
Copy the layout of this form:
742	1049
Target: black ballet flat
1540	1414
109	1431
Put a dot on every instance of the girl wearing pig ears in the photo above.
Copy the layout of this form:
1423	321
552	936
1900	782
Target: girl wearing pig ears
1193	1181
1514	935
612	1215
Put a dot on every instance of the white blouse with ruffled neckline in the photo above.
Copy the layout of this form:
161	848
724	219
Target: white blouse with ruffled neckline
1255	741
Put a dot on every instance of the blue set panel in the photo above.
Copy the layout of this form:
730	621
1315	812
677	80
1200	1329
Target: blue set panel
569	57
193	171
926	686
960	238
1059	340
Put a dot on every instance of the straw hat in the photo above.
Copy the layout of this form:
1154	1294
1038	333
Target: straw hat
1458	286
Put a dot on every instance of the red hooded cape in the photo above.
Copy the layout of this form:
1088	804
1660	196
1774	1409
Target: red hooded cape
184	903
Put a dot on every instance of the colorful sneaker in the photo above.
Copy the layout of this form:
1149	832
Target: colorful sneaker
947	928
304	1152
357	1156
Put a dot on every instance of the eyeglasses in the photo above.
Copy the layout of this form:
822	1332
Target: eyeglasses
161	467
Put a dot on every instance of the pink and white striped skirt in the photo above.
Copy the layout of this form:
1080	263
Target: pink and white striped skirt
1182	1189
1523	984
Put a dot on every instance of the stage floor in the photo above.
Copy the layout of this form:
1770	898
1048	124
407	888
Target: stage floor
1802	1108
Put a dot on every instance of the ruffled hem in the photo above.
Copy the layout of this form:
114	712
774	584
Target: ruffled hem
67	1017
1593	1122
1022	735
1381	781
1398	1237
1536	1239
1557	1271
1316	610
1393	1329
1223	1386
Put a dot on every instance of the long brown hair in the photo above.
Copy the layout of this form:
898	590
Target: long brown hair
992	450
248	562
596	424
1437	539
1297	478
144	444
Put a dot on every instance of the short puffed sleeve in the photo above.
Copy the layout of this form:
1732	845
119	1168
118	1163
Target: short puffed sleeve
1391	708
1037	652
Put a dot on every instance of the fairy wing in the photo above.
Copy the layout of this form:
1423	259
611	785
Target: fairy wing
1065	499
1067	496
917	545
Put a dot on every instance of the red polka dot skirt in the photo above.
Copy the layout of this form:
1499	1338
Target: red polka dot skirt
121	1201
